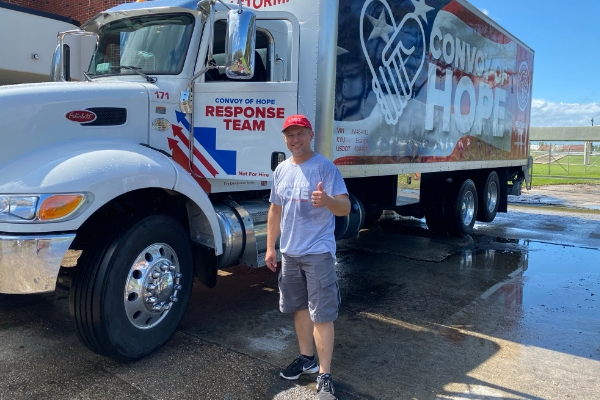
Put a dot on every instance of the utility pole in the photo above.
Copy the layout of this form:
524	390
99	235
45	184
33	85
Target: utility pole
587	152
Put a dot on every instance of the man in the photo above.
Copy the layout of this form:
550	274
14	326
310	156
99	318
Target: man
308	192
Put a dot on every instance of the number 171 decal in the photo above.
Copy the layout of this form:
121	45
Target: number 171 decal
161	95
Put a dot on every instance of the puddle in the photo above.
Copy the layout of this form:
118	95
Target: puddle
559	259
528	293
550	296
532	261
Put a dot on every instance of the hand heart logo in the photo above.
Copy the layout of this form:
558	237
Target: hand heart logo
396	68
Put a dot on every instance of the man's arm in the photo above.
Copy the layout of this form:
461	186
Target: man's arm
273	231
339	205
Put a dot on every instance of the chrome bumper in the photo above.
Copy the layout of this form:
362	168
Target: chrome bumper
30	264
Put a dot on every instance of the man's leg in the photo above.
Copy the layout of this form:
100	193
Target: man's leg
293	298
324	336
323	304
304	332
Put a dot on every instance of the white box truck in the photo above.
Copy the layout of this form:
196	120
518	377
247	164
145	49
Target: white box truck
158	164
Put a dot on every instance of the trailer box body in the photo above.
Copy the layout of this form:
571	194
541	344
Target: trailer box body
411	86
438	85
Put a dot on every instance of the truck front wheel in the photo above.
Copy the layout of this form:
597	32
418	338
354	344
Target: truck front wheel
131	288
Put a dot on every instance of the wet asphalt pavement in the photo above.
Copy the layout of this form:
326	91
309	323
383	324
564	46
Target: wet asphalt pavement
511	312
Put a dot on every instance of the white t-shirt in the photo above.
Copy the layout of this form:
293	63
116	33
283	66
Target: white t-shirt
306	229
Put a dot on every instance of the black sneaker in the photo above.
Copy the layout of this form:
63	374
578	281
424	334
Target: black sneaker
325	388
299	366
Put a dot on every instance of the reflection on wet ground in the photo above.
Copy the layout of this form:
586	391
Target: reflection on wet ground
556	300
463	327
546	320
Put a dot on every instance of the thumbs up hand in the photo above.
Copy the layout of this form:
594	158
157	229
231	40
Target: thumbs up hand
338	205
319	197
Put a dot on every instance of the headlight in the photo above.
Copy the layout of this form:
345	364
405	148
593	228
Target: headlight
42	208
18	208
4	202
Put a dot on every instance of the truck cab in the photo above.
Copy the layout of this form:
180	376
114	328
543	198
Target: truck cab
170	46
155	165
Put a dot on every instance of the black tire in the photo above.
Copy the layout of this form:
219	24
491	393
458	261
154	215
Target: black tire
114	319
349	225
461	209
489	198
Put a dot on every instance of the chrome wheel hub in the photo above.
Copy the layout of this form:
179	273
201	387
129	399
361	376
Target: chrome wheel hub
467	210
152	286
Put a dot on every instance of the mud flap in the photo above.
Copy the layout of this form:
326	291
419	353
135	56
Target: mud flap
529	173
205	265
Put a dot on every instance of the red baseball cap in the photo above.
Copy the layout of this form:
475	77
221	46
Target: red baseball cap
297	119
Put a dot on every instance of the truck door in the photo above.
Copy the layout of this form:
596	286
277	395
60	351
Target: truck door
238	122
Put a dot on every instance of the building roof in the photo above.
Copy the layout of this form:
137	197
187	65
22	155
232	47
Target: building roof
39	13
565	134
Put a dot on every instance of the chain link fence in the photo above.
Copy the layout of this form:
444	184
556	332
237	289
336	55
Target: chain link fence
565	160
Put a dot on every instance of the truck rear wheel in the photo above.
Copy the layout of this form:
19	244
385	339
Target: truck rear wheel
132	287
489	198
461	209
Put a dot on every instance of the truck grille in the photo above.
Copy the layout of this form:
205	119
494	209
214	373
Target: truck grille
107	116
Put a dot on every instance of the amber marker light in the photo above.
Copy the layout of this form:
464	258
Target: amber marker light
59	206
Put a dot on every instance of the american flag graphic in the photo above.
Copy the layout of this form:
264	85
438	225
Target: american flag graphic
428	81
208	162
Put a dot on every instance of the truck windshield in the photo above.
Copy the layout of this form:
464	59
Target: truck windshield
154	44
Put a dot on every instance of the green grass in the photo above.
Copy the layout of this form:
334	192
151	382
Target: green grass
537	181
569	167
414	184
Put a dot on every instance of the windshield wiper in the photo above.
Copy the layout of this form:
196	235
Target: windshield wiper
150	79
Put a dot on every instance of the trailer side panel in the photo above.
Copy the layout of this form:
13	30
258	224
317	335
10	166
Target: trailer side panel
428	82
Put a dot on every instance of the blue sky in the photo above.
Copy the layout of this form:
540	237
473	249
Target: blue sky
565	36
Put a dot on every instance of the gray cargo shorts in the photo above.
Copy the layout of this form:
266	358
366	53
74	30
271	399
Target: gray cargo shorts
309	282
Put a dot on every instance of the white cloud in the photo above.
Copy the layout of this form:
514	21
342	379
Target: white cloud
485	11
547	113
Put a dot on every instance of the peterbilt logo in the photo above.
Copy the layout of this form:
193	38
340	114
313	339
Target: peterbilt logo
81	116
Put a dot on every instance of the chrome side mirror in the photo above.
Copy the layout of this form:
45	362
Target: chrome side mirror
277	157
60	70
205	6
56	69
61	64
240	44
